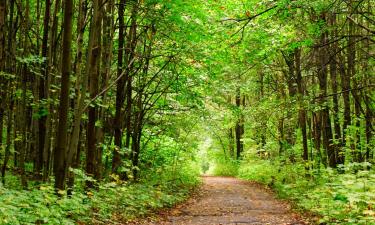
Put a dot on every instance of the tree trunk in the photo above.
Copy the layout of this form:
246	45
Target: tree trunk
239	130
3	16
8	139
302	111
93	69
120	92
334	85
324	113
62	133
2	67
43	91
81	88
129	63
136	136
346	78
369	111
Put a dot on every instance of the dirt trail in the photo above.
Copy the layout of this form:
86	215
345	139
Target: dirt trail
226	200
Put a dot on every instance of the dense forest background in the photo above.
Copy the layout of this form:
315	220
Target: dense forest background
110	109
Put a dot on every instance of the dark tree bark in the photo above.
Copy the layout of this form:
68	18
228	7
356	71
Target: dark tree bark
120	91
9	55
22	121
334	85
231	140
302	111
2	67
93	69
136	135
54	36
369	131
346	76
62	133
324	112
289	126
129	64
81	88
8	139
239	129
43	89
2	34
290	76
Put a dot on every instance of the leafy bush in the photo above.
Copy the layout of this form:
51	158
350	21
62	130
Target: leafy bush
225	167
347	198
124	202
261	171
41	206
116	201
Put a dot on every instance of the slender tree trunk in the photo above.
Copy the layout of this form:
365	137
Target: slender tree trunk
317	138
324	113
8	139
230	133
120	91
9	55
106	59
136	135
355	146
346	78
292	89
369	112
263	128
334	85
239	130
23	103
81	88
22	122
3	16
93	71
43	91
302	111
2	67
54	37
280	125
62	133
51	118
129	63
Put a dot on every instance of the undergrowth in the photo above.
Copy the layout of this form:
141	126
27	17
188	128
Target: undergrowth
226	168
338	198
223	165
114	201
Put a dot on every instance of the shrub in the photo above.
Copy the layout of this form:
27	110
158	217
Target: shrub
339	198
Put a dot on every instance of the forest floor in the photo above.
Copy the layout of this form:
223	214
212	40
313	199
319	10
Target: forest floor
225	200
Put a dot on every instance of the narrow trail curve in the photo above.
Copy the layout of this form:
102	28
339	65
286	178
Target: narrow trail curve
231	201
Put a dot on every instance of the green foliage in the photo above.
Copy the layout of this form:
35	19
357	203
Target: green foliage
261	171
124	202
41	206
225	167
346	198
113	201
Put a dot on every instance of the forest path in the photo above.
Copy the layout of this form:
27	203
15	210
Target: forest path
225	200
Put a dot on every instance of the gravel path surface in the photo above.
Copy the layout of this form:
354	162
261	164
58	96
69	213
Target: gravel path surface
225	200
